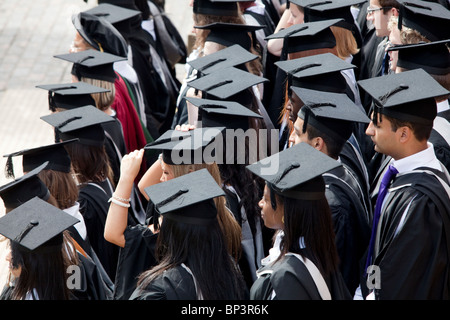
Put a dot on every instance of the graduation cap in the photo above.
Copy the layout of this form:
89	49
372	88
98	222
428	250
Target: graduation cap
70	95
296	172
216	7
226	83
306	36
330	113
218	113
113	12
36	224
187	147
407	96
331	9
433	57
233	56
187	199
100	34
92	64
24	188
228	34
318	72
56	155
431	19
84	123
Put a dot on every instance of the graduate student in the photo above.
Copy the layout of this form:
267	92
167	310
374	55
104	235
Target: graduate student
40	251
193	261
408	250
240	186
57	176
93	172
138	242
307	265
325	122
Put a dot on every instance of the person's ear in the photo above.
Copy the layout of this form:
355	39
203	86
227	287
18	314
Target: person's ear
405	134
395	12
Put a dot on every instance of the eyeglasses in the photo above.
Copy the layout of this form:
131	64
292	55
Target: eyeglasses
370	11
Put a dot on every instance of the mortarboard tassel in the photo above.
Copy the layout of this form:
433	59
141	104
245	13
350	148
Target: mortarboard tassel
9	169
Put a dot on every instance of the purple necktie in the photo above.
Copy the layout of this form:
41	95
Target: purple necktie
385	182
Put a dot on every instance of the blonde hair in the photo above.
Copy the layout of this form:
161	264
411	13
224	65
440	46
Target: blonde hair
230	227
407	35
345	42
105	99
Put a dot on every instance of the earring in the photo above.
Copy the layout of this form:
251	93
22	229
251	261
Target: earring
282	219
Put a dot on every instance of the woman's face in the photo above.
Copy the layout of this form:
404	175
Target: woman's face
167	172
394	39
15	272
297	15
273	219
79	44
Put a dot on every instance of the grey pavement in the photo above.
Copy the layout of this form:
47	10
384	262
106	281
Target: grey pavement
31	33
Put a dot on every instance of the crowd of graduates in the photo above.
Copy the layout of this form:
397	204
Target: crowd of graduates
303	155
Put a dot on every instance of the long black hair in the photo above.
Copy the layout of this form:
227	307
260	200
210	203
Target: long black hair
310	219
203	249
44	270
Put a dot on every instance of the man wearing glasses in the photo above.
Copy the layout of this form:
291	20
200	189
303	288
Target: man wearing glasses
378	13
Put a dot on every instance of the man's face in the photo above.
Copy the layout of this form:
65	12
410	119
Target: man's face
297	134
383	137
378	18
293	106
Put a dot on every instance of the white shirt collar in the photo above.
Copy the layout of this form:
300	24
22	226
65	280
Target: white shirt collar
74	211
442	106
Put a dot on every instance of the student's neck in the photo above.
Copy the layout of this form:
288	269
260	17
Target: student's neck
411	149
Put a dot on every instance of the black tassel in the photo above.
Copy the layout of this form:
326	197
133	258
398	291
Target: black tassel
9	169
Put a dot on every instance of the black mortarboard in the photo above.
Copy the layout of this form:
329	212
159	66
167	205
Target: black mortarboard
431	19
317	72
228	34
407	96
24	188
100	34
187	199
216	7
36	224
296	172
330	113
218	113
56	155
233	56
92	64
307	36
187	147
331	9
113	13
226	83
84	123
70	95
433	57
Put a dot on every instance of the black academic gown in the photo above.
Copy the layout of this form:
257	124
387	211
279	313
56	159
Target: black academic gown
137	256
413	262
291	280
95	282
440	140
94	208
351	224
175	284
252	242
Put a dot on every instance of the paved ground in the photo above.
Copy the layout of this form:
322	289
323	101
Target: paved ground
31	33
